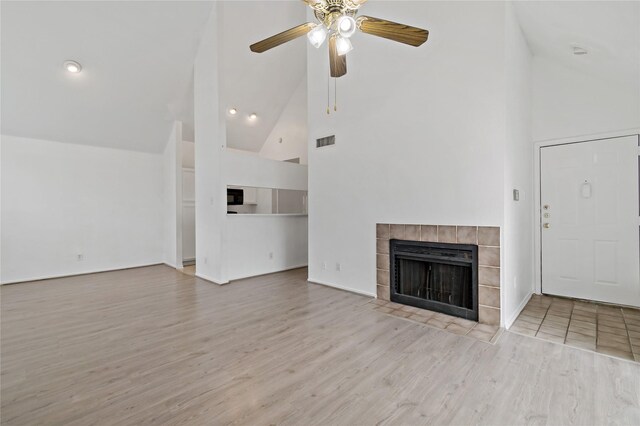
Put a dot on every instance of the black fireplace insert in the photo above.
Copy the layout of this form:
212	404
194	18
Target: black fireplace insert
440	277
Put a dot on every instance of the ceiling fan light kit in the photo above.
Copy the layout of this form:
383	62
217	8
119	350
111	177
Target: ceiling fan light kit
317	36
346	26
343	45
337	21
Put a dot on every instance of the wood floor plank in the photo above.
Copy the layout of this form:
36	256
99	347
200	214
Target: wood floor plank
155	346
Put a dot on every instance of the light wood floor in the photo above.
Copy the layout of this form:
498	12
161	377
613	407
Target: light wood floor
189	270
153	345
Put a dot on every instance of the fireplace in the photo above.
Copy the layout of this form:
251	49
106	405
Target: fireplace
441	277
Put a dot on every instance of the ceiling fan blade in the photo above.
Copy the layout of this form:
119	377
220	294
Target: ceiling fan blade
283	37
337	63
392	30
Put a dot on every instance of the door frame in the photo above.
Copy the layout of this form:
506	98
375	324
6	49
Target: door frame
537	207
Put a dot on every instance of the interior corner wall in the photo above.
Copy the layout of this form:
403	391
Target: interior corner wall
288	138
420	135
567	102
517	256
62	200
172	189
209	143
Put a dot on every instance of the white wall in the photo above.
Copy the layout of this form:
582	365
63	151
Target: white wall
172	213
567	103
250	170
60	200
517	242
209	141
419	135
291	128
260	244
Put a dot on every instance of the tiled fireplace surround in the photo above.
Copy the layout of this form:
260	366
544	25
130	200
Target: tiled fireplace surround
488	241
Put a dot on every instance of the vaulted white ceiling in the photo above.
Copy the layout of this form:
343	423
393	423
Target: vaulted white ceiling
609	30
138	63
258	83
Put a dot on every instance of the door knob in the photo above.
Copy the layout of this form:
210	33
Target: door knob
546	226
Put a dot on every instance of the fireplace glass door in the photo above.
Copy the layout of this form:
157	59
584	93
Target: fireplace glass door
442	277
438	282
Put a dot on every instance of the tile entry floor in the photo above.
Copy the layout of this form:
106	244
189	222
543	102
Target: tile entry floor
607	329
484	332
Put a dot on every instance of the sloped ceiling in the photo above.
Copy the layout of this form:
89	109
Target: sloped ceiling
261	83
609	30
138	63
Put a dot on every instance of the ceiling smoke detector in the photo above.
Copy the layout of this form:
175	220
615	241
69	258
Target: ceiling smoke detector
578	50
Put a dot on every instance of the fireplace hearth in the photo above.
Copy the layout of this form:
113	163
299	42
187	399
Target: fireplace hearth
485	238
440	277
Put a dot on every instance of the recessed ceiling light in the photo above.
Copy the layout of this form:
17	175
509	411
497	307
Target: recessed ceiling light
72	66
233	111
253	116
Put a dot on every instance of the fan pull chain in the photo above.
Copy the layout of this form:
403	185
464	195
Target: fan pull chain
328	93
335	94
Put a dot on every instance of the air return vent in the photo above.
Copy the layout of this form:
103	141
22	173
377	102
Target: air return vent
326	141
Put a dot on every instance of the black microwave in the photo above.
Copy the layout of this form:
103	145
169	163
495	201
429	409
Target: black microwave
235	197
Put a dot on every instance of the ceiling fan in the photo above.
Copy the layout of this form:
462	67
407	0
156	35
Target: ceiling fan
337	20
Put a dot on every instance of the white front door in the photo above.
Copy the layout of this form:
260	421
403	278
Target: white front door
590	226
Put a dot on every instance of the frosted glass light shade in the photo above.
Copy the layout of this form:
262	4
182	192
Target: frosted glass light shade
343	45
346	26
317	35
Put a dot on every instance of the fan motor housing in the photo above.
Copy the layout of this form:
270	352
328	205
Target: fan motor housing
328	12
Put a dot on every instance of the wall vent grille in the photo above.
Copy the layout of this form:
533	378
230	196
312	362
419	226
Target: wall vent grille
326	141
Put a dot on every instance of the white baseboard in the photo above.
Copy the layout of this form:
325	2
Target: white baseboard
92	271
288	268
211	280
339	287
509	322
